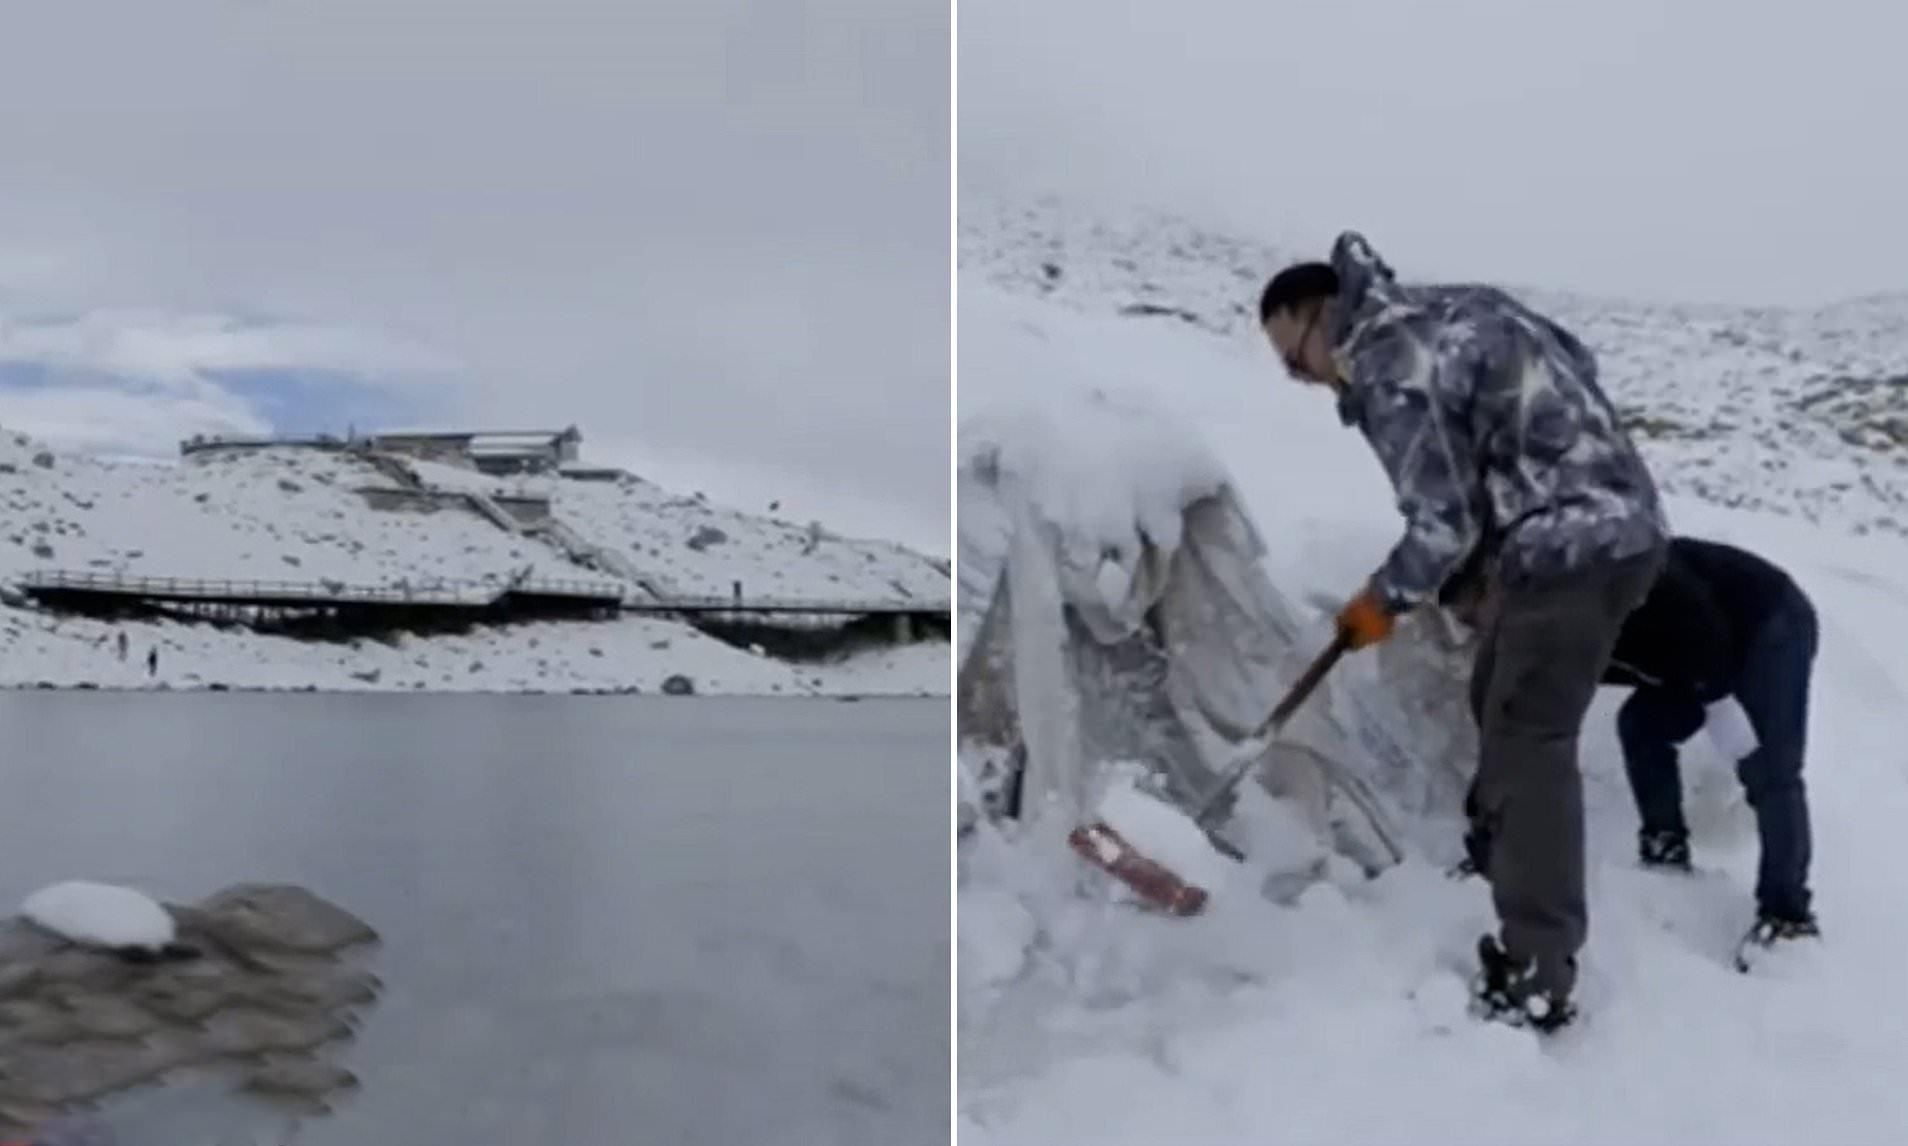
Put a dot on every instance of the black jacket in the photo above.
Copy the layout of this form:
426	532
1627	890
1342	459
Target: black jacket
1693	631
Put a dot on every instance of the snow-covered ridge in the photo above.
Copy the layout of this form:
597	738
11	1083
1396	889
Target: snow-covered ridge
294	514
688	545
1799	412
300	514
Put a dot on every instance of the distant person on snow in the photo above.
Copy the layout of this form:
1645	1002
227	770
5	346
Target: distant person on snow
1725	641
152	661
1502	450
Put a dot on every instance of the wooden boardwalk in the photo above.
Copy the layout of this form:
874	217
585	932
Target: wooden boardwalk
105	590
773	606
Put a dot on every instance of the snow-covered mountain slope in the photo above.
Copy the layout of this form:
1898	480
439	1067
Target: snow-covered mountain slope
1342	1018
290	515
1801	412
691	546
296	515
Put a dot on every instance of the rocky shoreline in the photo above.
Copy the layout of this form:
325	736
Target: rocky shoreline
281	985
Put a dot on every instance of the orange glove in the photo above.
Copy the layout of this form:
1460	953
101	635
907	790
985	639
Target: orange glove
1364	620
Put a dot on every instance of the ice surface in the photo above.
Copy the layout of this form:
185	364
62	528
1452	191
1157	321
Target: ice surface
597	914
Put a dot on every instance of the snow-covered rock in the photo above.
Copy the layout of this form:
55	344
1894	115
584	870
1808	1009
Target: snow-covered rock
101	915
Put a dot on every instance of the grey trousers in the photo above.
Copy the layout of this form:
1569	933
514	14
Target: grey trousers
1545	647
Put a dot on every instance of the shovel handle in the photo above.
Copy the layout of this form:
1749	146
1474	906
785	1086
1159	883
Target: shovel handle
1301	690
1308	682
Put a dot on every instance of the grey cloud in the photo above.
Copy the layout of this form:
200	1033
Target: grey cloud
717	227
1696	150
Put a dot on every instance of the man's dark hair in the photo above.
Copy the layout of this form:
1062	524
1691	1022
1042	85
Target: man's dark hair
1298	283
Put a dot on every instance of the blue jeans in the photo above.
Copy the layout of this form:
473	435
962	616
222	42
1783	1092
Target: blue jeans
1774	691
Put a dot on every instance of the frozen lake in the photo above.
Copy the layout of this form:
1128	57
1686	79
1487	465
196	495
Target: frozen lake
605	919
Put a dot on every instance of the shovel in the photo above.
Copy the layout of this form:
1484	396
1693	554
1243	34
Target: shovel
1155	883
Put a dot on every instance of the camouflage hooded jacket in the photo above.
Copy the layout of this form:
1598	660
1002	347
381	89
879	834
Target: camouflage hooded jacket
1489	421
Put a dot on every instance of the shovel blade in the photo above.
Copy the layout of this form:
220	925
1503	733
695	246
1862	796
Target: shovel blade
1154	883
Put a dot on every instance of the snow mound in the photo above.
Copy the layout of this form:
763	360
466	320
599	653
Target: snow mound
1072	458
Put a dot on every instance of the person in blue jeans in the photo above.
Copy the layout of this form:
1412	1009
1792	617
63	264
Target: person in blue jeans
1725	641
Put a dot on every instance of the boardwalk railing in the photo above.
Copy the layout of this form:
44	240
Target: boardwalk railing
717	603
569	587
469	594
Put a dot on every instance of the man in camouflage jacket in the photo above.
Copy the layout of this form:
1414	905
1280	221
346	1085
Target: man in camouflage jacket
1504	452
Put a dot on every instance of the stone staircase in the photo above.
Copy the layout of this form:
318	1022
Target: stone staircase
603	559
496	514
553	532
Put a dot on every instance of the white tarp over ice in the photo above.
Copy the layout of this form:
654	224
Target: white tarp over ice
1114	607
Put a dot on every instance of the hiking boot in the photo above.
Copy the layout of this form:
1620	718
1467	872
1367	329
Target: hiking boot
1772	927
1506	990
1663	849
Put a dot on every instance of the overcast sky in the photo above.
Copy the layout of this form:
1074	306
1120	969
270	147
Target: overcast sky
704	230
1728	150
